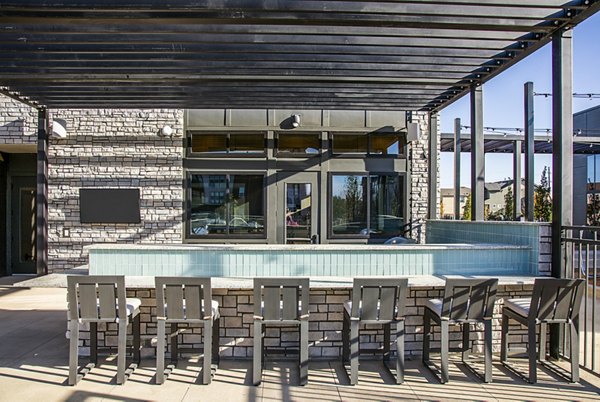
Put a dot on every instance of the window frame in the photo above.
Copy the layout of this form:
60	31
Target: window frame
405	208
227	154
188	207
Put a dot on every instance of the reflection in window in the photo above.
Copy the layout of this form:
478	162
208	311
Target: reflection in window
350	143
348	204
228	143
227	204
386	144
298	143
386	205
349	195
298	212
247	143
209	143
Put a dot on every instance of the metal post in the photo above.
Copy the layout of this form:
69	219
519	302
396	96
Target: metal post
457	169
477	154
562	154
433	166
517	180
41	227
529	151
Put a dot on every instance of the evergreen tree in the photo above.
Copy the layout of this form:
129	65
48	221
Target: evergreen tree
542	200
467	209
509	199
593	210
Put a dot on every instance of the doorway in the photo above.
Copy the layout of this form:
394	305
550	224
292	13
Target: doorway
23	222
298	200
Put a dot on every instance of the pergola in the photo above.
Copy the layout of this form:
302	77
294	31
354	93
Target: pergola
416	55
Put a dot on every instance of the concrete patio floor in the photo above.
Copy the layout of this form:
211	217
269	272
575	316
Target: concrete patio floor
34	355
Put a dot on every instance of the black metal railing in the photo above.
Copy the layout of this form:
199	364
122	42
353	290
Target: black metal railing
581	249
413	229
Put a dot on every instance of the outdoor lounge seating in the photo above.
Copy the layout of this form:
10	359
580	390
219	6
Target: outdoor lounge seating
465	302
281	301
101	299
375	301
554	301
186	300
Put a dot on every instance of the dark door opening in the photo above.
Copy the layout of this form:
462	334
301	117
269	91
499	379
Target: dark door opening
22	234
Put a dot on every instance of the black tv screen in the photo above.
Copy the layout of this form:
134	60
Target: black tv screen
109	205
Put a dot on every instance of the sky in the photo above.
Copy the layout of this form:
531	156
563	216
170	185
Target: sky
503	102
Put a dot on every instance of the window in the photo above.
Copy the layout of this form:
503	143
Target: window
224	204
252	144
366	206
298	144
385	144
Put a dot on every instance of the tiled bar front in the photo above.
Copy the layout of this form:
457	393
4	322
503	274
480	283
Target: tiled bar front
236	309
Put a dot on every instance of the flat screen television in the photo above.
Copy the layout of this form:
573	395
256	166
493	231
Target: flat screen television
109	205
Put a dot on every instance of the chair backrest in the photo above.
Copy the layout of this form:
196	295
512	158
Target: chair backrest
556	299
469	299
281	298
183	298
379	299
96	298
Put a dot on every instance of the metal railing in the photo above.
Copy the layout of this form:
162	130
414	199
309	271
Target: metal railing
581	251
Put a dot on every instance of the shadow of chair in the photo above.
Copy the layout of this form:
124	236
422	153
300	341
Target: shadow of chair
465	302
554	302
281	302
375	301
101	299
185	300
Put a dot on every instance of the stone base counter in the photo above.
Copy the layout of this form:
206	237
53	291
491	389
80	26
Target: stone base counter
326	298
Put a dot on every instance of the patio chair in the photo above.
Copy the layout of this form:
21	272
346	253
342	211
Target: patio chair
184	300
97	299
465	302
375	301
554	301
280	302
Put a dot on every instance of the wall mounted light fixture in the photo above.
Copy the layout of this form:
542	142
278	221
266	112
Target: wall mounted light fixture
295	120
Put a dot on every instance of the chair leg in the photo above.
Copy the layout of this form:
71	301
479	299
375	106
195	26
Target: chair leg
354	352
121	351
466	343
216	341
73	352
574	350
543	332
426	336
400	352
207	363
386	341
488	351
444	350
303	352
160	352
94	342
174	344
531	339
504	339
137	353
257	355
346	338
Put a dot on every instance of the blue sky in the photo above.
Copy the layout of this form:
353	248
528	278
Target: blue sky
503	101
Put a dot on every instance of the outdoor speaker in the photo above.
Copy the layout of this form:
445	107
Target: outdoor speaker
414	132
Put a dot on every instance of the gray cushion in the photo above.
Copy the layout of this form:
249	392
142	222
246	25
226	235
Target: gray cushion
519	306
435	305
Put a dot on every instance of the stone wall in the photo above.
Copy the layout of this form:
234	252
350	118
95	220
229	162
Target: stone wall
114	149
418	155
18	122
326	315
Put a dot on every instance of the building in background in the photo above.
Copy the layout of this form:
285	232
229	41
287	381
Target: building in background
586	171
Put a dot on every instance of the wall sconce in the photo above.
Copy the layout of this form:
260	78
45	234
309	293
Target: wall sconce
166	131
413	132
295	120
59	128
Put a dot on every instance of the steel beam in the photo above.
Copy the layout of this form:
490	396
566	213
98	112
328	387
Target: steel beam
477	154
432	167
41	217
562	155
517	180
529	150
457	126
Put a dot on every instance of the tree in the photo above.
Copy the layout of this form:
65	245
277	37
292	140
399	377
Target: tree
509	200
542	200
442	212
467	208
593	210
